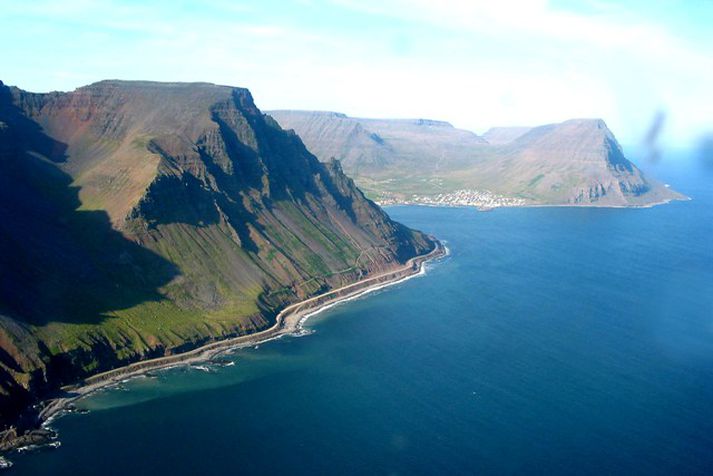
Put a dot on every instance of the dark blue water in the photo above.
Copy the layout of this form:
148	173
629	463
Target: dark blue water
551	341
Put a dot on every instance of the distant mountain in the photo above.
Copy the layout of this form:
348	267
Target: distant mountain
577	162
371	147
504	135
336	135
140	218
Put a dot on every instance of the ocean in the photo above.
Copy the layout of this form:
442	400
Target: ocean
549	341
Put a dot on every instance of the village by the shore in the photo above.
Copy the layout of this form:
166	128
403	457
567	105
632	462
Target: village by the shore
480	199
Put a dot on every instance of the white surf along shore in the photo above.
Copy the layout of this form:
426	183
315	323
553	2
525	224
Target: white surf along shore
289	321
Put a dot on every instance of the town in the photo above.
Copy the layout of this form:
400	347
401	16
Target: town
481	199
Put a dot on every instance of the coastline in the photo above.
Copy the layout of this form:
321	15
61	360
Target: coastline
288	321
665	201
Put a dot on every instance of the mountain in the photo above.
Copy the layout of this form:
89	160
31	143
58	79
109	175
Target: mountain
577	162
336	135
504	135
372	147
139	219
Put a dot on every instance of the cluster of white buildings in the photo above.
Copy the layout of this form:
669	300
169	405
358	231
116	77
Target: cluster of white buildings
483	199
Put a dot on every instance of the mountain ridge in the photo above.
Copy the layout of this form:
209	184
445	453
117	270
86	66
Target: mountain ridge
577	162
367	146
504	135
141	219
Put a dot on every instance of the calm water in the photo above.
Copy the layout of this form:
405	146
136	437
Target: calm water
552	341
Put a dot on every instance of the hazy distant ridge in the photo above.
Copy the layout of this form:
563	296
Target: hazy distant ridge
576	162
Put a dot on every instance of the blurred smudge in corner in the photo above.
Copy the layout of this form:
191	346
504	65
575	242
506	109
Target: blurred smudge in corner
652	144
705	151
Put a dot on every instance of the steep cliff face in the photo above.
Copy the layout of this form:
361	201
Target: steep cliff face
139	218
577	162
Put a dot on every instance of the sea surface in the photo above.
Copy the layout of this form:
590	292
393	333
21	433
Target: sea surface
550	341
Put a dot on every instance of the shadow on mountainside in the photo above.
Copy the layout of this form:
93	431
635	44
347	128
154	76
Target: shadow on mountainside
240	182
58	263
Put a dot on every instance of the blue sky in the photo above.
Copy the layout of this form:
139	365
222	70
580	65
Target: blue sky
475	64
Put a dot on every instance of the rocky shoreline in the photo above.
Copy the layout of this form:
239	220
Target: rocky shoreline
288	321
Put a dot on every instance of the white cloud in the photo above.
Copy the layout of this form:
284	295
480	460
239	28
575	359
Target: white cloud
473	63
625	69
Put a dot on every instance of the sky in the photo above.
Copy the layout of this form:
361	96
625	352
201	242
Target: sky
475	64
